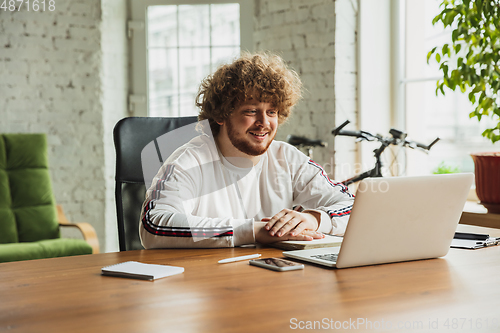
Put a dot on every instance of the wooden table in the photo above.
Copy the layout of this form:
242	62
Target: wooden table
461	291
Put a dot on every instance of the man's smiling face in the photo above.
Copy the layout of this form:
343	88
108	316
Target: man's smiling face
252	126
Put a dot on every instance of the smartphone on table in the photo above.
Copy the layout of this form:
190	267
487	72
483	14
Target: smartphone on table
276	264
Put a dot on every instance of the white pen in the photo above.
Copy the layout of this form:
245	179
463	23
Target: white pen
251	256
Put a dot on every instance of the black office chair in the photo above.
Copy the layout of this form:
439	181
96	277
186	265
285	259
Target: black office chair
142	145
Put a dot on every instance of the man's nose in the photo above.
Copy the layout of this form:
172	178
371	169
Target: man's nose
263	119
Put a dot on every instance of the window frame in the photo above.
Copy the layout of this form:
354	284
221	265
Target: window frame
137	31
458	156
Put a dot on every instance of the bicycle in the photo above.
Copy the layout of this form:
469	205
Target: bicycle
397	138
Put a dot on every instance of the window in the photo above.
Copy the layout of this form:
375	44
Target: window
185	44
427	115
175	44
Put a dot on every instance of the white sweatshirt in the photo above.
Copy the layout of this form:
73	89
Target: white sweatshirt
199	199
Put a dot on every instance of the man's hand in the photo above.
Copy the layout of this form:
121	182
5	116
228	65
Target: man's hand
262	235
291	221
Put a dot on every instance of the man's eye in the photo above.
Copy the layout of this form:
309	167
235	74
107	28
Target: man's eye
251	111
272	112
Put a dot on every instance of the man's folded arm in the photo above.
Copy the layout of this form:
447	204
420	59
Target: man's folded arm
167	222
166	229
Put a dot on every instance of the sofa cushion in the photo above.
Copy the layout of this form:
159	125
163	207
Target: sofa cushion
38	226
8	228
29	188
49	248
26	151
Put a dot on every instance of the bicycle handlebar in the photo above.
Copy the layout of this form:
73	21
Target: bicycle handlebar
357	134
428	147
349	133
338	129
397	137
414	144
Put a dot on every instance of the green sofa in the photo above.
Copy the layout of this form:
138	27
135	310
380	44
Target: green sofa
29	217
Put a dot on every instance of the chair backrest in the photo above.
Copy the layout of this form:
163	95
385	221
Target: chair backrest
133	137
27	204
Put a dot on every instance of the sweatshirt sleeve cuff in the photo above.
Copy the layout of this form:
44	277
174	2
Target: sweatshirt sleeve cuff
325	224
243	232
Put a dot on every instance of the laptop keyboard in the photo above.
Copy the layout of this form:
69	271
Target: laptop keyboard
328	257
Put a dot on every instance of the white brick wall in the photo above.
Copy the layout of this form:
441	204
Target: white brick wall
114	76
318	39
64	73
51	81
346	85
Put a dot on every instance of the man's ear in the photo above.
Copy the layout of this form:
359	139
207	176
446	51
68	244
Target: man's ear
220	122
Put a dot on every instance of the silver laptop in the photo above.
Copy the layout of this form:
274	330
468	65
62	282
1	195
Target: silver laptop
397	219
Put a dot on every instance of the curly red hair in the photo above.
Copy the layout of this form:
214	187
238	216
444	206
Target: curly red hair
262	76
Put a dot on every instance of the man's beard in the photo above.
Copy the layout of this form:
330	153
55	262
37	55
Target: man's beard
243	144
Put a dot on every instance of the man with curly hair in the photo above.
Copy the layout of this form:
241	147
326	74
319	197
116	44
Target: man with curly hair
235	185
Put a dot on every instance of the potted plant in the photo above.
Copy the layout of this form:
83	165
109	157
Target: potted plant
471	63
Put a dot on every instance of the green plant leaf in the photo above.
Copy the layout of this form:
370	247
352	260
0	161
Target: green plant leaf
479	5
435	19
441	88
487	133
430	53
472	97
475	32
445	69
445	49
